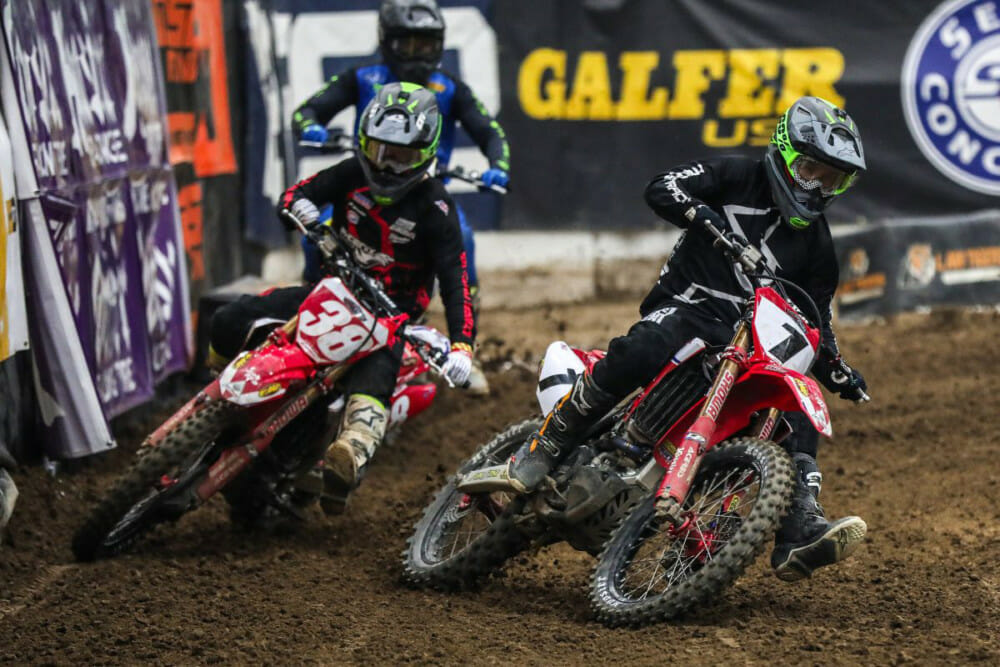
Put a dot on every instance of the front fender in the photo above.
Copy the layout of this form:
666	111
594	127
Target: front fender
767	385
264	374
764	385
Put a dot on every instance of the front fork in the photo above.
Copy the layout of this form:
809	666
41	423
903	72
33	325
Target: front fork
677	481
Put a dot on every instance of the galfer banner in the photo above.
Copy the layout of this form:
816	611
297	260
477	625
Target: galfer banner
87	79
599	96
297	45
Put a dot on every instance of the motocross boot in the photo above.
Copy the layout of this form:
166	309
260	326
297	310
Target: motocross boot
478	384
574	413
806	540
348	456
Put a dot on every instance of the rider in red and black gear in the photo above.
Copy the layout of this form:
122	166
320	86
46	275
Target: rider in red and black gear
777	205
400	226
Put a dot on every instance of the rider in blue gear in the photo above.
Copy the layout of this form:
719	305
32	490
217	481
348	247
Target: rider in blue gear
411	41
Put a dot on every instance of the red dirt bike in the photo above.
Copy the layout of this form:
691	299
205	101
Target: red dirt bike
677	489
265	421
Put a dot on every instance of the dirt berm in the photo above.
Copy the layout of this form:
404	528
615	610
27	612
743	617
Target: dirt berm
919	464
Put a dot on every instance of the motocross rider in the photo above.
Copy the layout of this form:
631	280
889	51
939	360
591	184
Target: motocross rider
778	205
411	41
399	225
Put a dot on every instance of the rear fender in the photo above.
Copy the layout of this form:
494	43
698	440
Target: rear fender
762	386
561	366
265	374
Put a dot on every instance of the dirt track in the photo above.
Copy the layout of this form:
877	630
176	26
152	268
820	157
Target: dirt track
919	464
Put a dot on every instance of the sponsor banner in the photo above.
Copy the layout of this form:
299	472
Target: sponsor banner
912	263
199	42
13	320
295	46
595	91
87	79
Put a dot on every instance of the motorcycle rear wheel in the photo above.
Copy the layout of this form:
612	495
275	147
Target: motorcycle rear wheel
462	538
647	574
131	507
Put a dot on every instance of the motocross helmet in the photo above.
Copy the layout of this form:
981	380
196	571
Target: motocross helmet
411	38
398	139
814	156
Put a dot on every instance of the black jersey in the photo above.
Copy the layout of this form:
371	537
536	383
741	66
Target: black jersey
404	245
698	274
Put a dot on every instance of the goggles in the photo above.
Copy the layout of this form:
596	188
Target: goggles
417	47
390	157
811	174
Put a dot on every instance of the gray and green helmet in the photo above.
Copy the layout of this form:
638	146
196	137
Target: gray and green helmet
814	156
398	138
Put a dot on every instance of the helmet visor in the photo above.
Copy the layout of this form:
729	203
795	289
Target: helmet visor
391	157
811	174
417	47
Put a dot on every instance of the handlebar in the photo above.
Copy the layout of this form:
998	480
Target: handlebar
471	176
345	267
336	143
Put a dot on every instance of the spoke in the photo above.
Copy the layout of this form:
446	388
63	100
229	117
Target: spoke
662	566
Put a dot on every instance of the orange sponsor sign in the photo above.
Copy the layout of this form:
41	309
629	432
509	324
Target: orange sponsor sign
192	44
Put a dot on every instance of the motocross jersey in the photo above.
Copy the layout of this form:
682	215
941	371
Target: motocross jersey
404	245
456	102
696	273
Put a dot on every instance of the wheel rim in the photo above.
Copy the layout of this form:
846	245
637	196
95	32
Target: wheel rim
465	517
664	557
145	514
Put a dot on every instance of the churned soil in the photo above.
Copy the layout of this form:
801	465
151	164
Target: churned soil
919	464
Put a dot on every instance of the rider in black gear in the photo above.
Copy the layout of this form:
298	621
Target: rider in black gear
777	205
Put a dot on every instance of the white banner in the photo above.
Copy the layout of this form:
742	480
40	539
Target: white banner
13	320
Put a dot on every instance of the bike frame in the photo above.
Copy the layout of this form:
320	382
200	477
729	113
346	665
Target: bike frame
300	362
744	385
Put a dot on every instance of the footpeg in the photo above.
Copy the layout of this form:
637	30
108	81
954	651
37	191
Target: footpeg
487	480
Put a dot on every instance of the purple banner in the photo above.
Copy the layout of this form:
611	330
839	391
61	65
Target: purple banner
88	79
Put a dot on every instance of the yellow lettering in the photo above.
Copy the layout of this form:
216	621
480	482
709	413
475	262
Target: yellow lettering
541	84
634	105
761	130
591	96
695	72
746	94
710	134
810	72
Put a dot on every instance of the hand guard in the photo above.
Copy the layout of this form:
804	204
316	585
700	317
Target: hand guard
315	132
304	210
495	176
841	379
458	366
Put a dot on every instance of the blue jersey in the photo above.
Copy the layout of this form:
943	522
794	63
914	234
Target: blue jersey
357	86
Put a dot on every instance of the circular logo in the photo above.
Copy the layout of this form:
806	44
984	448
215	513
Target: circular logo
951	92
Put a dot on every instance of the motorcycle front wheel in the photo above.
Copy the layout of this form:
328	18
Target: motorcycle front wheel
461	538
649	572
136	501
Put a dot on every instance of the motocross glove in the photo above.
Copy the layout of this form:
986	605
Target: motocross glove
458	366
700	214
304	210
495	176
841	379
315	132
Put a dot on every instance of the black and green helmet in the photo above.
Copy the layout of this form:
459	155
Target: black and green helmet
398	139
814	156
